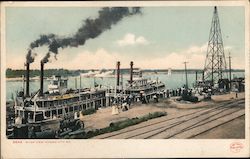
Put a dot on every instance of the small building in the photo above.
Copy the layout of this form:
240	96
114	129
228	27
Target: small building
238	84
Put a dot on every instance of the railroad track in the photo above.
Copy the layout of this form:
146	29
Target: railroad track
240	113
204	116
177	130
172	127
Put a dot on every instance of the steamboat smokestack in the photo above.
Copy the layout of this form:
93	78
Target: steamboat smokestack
203	76
118	73
41	79
131	72
196	76
27	79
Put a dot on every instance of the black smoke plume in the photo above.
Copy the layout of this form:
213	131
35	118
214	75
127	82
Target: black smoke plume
30	57
90	29
46	58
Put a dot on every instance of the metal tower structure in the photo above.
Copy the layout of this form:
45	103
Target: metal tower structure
215	64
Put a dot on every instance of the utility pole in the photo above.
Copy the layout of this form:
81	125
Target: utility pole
230	71
185	63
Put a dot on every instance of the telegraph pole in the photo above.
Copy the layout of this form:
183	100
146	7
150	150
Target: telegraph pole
230	71
185	63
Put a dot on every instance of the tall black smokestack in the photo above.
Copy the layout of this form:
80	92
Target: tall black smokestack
27	79
43	61
131	72
196	76
41	79
118	73
203	76
29	59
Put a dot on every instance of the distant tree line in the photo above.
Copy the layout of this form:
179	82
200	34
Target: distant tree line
11	73
47	73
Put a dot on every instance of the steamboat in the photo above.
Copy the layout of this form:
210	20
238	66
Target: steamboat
137	87
50	110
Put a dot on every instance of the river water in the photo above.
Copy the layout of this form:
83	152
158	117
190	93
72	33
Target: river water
173	81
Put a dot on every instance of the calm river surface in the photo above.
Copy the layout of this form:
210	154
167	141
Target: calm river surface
175	80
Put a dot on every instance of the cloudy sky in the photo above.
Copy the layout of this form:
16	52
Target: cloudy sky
161	37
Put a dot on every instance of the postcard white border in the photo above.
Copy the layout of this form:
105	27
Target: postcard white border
77	148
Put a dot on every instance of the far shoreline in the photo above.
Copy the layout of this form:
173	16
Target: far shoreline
145	71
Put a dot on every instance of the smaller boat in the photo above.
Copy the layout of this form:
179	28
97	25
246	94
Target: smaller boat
169	71
105	74
90	74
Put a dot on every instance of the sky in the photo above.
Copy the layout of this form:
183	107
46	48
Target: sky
159	38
